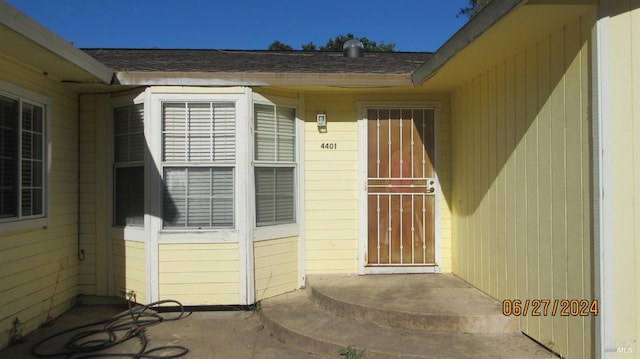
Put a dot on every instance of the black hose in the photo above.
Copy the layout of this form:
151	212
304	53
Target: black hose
88	342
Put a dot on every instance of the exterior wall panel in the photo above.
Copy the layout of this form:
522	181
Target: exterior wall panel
87	189
129	269
521	182
38	266
332	180
276	267
623	75
199	274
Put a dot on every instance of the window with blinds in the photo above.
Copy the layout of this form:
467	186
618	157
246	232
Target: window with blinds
129	148
275	164
22	167
199	156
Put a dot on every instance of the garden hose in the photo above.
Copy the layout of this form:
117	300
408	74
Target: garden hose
87	343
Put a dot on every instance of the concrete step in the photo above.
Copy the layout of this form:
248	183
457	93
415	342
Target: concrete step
439	303
298	322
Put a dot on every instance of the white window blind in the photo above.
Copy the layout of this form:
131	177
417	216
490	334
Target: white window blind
199	154
198	197
275	133
129	149
274	195
275	164
22	144
128	133
199	132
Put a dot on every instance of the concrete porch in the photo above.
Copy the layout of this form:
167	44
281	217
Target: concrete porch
397	316
388	316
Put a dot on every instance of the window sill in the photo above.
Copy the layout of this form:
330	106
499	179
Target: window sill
276	231
198	236
130	233
23	225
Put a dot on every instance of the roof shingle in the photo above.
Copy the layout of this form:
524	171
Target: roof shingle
259	61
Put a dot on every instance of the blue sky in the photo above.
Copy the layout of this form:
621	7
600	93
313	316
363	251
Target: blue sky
413	25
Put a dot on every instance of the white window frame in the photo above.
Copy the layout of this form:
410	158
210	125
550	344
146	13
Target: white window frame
289	229
126	164
23	95
202	162
130	232
197	235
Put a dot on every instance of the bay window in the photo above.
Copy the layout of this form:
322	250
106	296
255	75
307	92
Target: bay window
202	149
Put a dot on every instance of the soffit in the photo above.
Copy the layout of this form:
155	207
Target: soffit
32	45
522	26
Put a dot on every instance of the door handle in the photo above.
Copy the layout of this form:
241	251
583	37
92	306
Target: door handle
431	186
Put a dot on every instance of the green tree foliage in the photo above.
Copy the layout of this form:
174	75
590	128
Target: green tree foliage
336	43
310	46
278	46
473	8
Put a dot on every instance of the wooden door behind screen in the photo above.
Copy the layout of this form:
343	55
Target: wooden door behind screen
401	187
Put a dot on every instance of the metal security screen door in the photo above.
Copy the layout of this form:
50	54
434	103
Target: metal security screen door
401	187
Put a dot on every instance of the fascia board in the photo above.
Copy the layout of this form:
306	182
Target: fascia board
261	79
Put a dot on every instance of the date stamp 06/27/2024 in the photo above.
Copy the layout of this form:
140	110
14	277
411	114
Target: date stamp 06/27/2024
552	307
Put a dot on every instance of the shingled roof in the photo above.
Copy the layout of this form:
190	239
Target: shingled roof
229	61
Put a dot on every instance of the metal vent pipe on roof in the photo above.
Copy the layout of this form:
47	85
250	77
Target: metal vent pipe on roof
353	48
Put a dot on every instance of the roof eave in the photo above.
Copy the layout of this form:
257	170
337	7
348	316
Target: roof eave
158	78
480	23
21	24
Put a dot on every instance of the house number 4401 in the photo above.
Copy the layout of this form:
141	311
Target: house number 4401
329	146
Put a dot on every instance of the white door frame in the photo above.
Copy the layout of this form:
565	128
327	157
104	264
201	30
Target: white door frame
362	191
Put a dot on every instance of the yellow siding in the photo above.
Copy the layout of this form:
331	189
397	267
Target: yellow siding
199	274
129	272
276	267
38	267
331	180
88	270
95	195
624	42
521	182
443	169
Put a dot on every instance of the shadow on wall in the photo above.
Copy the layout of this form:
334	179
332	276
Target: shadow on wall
131	153
522	179
525	123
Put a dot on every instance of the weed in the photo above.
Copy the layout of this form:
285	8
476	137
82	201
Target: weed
63	264
256	307
351	353
16	333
